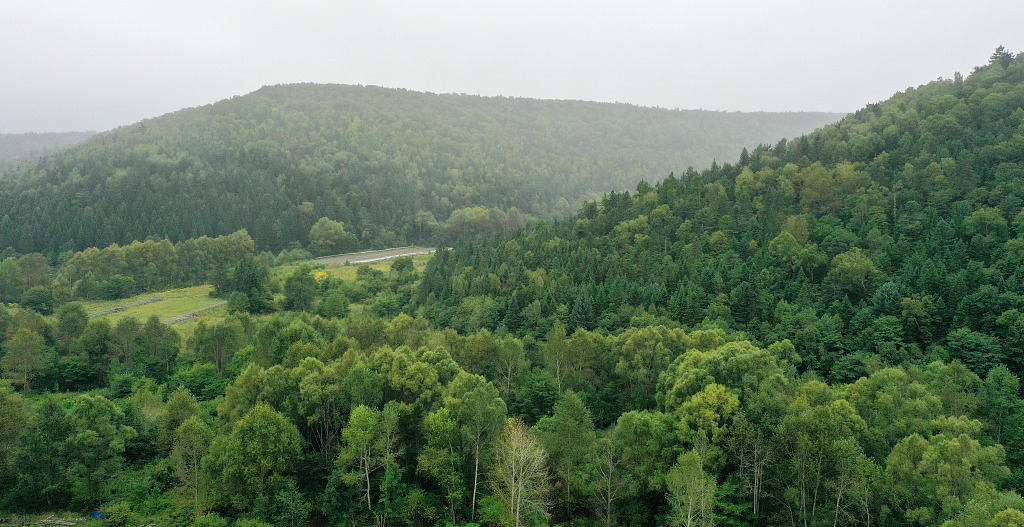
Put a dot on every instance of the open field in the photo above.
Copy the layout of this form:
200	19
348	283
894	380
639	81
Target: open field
170	305
344	266
174	302
348	271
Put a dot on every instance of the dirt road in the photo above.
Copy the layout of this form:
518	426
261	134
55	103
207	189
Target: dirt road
373	256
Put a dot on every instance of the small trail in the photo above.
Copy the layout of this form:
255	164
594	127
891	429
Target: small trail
129	305
191	314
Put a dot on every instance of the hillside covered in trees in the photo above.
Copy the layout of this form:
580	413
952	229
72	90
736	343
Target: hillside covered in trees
872	255
392	165
827	332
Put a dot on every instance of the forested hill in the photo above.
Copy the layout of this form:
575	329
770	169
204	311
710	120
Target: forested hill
393	165
15	148
894	236
877	268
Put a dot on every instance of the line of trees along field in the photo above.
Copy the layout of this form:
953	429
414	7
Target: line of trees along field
392	165
827	332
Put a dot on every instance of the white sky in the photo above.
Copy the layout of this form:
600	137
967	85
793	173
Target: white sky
98	64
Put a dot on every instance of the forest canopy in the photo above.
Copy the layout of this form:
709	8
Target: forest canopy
391	165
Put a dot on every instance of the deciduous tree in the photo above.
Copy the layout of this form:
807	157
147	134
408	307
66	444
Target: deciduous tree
519	476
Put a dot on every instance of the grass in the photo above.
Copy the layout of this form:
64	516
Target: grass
175	302
210	317
179	301
348	272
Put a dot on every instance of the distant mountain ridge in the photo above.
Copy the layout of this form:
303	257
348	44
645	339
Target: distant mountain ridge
19	147
393	165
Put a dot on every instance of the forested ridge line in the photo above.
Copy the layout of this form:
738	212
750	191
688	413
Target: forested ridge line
394	166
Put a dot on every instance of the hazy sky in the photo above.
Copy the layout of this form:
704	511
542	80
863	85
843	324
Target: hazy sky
98	64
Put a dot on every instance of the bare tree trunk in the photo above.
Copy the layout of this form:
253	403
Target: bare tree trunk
366	472
476	477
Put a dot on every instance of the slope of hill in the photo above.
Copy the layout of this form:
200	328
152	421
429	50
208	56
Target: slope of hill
894	235
878	263
391	164
16	148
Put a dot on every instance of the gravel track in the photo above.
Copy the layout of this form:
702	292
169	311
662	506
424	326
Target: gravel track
373	256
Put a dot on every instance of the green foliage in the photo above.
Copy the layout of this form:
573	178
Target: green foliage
828	333
932	479
334	305
369	445
299	290
40	299
250	277
238	302
344	166
252	461
23	358
691	492
329	237
569	438
210	520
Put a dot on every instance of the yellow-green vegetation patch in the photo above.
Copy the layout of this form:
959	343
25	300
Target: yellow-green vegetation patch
348	272
345	271
174	302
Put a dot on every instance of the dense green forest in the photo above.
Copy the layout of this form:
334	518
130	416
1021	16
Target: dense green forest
826	332
17	148
394	166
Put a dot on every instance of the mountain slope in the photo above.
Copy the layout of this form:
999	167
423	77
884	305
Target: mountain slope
894	235
391	164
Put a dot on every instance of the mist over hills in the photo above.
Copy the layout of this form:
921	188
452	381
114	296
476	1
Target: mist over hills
393	165
15	148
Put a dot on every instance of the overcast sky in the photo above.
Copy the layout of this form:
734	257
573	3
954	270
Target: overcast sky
99	64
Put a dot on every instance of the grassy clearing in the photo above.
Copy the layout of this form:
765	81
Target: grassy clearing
348	272
183	300
175	302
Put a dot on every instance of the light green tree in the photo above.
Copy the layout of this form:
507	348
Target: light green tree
253	461
570	440
327	236
519	476
24	357
691	492
931	480
475	404
440	458
192	443
369	444
95	447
